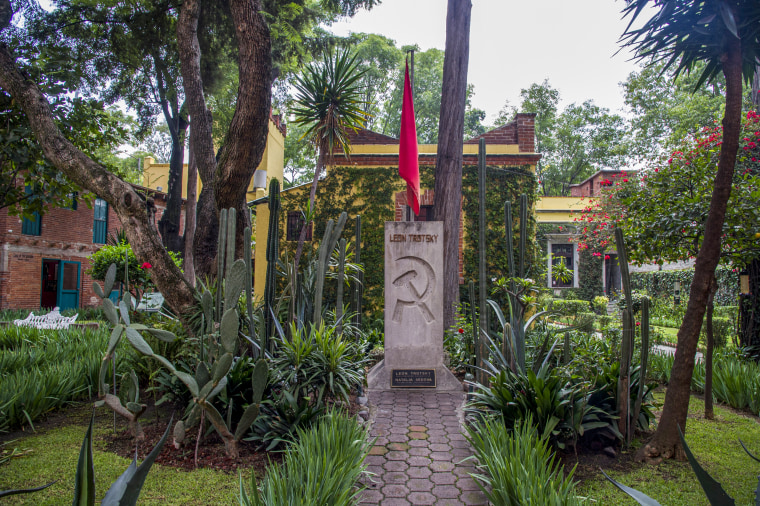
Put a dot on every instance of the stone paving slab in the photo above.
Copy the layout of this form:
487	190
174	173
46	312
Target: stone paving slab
418	453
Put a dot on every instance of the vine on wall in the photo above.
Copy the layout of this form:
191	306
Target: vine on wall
661	284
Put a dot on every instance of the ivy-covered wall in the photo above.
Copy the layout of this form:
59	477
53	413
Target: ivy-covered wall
502	184
370	192
661	284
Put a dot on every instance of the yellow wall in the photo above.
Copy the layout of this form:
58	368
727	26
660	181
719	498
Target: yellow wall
558	209
156	175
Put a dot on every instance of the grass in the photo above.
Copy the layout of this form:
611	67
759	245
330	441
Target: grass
716	446
53	456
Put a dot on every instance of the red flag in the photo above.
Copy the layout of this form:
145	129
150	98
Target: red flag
408	156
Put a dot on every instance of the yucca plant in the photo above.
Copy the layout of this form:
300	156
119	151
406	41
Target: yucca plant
518	467
329	103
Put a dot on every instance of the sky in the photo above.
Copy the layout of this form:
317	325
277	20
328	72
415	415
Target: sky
516	43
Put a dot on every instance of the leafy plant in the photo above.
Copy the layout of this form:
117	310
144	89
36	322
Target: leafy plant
321	468
518	466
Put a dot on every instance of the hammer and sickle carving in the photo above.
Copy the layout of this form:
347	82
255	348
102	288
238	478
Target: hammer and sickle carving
418	282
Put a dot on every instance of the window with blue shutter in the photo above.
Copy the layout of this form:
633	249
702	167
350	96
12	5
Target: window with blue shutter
100	223
31	226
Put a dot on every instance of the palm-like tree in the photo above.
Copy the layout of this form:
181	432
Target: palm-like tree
329	102
725	35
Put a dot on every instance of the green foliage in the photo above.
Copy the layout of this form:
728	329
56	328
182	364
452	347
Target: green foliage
667	109
569	307
589	275
328	101
321	468
116	254
660	285
722	329
713	490
44	370
558	408
518	466
428	85
574	142
91	126
599	304
457	340
663	209
312	368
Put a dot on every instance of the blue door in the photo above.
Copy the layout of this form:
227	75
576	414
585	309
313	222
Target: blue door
68	285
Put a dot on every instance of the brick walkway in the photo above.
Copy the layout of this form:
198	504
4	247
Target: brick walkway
418	452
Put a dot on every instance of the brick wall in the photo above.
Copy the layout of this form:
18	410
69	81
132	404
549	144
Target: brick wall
66	234
426	199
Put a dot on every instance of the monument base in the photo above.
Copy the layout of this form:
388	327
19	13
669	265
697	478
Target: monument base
379	379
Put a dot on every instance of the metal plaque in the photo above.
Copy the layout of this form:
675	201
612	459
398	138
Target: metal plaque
413	378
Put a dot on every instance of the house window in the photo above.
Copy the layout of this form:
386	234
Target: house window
100	222
295	224
426	214
74	201
31	226
563	253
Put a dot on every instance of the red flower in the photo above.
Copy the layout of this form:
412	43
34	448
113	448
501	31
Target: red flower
461	331
638	324
606	257
145	265
625	180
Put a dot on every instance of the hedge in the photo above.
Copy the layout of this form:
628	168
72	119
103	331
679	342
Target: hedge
661	283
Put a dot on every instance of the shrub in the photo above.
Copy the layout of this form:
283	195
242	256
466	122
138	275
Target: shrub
109	254
520	467
599	304
569	307
722	328
321	468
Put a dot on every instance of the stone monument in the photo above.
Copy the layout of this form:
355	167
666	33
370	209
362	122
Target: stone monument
413	310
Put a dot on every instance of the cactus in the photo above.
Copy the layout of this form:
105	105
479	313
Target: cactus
273	241
516	310
341	280
628	418
482	348
360	284
330	238
219	343
128	405
474	324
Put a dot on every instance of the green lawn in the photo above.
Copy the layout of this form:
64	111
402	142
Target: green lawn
715	445
54	455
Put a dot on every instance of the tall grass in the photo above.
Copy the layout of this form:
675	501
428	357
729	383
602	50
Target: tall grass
320	469
736	380
519	466
41	370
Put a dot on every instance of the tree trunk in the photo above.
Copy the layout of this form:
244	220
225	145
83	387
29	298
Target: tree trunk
129	206
709	414
666	442
312	199
225	184
447	204
188	263
169	224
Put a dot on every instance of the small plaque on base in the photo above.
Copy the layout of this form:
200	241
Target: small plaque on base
413	378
